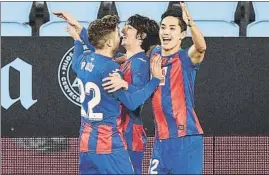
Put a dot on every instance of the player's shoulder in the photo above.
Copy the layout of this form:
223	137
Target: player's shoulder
156	50
183	53
103	61
141	58
185	50
88	53
141	61
110	65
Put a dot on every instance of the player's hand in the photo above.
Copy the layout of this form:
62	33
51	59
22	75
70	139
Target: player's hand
114	83
186	15
71	21
156	66
72	31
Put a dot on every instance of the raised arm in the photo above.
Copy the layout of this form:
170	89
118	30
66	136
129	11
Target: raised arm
79	28
78	48
197	50
84	36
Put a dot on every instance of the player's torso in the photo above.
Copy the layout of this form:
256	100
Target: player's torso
132	123
172	102
127	69
97	104
100	111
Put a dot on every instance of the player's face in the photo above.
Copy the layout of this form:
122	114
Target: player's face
129	36
170	33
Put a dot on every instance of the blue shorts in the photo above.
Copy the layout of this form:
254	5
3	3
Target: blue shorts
183	155
117	162
137	161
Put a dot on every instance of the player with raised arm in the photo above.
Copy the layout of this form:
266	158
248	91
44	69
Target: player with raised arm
139	35
102	148
178	146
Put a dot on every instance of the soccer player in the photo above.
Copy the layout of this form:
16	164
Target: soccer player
139	35
102	148
178	146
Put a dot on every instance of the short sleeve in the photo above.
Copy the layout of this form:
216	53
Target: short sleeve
186	60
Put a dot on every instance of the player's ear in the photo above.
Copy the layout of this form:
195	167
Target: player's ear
142	36
183	35
109	42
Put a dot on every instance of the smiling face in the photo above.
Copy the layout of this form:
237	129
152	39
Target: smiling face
129	38
170	34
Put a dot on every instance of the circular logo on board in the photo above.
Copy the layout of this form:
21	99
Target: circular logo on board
67	78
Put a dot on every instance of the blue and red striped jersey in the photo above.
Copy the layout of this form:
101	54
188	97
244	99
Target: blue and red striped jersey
173	101
136	73
100	130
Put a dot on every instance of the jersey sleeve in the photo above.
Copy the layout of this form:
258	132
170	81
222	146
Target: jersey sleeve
84	36
186	60
134	99
140	74
77	56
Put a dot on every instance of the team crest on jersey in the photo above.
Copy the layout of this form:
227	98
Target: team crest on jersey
67	78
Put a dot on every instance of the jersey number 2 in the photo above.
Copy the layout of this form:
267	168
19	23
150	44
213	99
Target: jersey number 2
85	90
153	165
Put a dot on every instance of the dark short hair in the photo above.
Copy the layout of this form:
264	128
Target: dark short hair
176	11
145	25
100	30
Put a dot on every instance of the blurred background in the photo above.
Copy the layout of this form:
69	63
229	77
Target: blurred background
229	19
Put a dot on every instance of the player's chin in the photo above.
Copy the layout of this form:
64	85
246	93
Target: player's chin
125	43
166	47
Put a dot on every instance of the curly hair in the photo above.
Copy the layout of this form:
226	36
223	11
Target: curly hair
176	12
99	31
145	25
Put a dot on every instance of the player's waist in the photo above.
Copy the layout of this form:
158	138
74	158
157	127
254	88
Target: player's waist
173	136
102	139
104	129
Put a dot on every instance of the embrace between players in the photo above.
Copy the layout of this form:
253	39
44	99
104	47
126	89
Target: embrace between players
112	138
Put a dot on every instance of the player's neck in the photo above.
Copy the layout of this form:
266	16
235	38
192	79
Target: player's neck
104	52
132	51
171	51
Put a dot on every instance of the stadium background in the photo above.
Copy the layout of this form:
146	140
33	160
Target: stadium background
231	101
